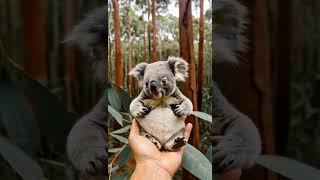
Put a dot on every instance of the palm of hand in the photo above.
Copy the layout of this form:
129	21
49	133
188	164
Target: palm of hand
145	151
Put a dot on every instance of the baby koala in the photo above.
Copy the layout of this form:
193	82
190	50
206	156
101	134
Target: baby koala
160	105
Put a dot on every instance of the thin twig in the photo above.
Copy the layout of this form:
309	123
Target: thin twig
115	157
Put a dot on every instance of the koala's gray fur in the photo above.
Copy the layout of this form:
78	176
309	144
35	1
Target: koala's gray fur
157	115
236	142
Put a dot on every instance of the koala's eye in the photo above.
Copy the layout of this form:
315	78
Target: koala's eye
147	83
164	80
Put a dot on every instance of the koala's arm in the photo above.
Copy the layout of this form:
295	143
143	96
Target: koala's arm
137	108
86	143
236	140
184	106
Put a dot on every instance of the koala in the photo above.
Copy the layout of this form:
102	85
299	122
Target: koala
236	140
160	103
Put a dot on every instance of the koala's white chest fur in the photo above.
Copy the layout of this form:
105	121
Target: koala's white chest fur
161	122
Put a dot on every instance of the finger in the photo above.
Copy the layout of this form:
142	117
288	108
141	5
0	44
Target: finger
187	131
134	130
186	135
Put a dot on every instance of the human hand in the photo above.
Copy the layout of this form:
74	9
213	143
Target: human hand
147	154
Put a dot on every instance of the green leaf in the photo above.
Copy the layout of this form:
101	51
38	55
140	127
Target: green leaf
26	167
125	156
202	115
57	121
115	114
114	150
120	138
125	97
289	168
17	117
209	153
196	163
114	99
122	130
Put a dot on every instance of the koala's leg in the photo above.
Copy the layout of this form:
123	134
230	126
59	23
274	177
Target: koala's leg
176	141
151	138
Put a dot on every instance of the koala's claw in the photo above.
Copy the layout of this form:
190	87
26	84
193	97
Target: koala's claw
178	111
179	142
142	112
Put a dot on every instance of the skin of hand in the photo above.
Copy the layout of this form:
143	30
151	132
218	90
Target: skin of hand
150	162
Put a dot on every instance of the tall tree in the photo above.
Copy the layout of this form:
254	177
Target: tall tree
117	32
187	52
149	29
154	32
131	87
69	55
34	40
200	56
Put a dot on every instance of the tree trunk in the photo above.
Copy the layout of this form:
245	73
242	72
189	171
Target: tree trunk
154	32
130	52
117	32
149	33
189	88
69	56
144	41
200	56
34	40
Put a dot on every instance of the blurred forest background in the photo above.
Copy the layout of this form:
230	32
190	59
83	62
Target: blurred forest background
277	79
149	31
32	35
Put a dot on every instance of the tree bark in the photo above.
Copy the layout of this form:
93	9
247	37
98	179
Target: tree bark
131	87
119	75
200	56
154	32
34	40
149	31
189	88
69	55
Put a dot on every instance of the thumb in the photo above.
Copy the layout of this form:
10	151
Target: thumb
134	130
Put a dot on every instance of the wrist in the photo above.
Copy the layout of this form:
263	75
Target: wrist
150	170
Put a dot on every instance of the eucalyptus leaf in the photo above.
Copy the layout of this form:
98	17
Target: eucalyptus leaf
125	97
25	166
209	153
196	163
125	156
122	130
202	115
120	138
289	168
56	120
115	114
114	99
114	150
17	117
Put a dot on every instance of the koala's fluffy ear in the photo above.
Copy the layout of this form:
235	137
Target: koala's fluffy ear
179	68
138	72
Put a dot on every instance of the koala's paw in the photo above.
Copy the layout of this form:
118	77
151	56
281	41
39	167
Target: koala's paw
179	142
141	112
179	110
231	152
176	143
152	139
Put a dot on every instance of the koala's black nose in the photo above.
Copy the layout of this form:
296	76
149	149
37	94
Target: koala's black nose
153	86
